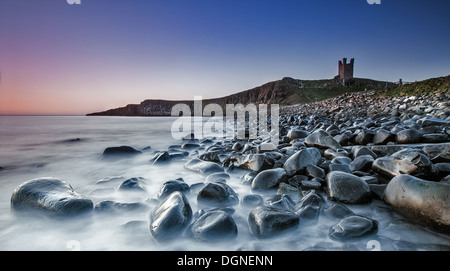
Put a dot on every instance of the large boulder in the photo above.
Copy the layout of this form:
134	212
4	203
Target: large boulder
214	225
423	202
170	218
120	151
347	188
269	178
407	161
265	222
321	139
50	196
353	226
297	162
217	194
171	186
203	167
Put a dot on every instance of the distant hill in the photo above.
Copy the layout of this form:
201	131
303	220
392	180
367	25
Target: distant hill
432	85
287	91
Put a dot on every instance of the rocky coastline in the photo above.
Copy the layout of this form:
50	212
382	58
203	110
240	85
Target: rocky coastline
351	150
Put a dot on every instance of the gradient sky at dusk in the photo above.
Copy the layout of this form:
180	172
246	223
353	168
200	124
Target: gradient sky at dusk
57	58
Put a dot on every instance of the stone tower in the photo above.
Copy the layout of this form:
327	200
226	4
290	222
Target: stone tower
345	70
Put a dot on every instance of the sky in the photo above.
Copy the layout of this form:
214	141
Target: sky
57	58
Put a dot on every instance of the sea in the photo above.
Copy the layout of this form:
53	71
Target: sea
70	148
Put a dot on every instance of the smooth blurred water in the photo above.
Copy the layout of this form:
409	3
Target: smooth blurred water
70	148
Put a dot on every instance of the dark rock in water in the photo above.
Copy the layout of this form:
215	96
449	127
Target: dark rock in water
160	157
314	184
409	136
203	167
132	184
382	137
343	160
338	211
347	188
171	186
210	156
298	162
408	161
292	191
113	207
353	226
214	226
190	146
218	177
252	200
248	178
217	194
269	178
308	209
170	218
362	163
120	151
334	153
423	202
265	222
50	196
281	201
321	139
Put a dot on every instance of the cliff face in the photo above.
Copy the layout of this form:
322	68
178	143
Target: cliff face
287	91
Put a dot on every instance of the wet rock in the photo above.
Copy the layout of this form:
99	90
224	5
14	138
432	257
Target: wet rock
434	138
347	188
308	209
321	139
120	151
438	153
292	191
338	211
269	178
214	226
50	196
362	150
170	218
297	133
252	200
409	136
256	162
361	163
364	137
217	194
281	201
353	226
160	157
203	167
171	186
248	177
382	137
423	202
408	161
339	167
334	153
315	171
314	184
265	222
218	177
132	185
113	207
297	163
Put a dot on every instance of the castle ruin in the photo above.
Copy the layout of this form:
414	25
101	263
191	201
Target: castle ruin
345	71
